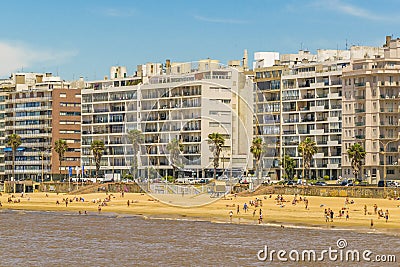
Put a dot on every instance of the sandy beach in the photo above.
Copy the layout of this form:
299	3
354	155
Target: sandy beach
285	213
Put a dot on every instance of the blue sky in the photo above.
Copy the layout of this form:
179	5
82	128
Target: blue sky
84	38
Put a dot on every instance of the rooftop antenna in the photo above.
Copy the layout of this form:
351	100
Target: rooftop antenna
346	44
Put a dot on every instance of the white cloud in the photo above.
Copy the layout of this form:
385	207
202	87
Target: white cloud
114	12
220	20
352	10
14	56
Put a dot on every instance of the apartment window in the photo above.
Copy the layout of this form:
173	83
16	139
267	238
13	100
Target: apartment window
374	158
374	105
78	96
374	92
390	171
374	118
374	145
63	95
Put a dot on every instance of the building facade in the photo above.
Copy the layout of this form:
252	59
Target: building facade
371	103
41	109
182	101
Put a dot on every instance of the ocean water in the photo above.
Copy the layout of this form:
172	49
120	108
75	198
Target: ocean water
66	239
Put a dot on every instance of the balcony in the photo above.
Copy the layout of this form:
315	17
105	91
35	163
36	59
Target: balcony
360	97
333	143
308	96
359	110
359	84
360	123
308	119
318	131
332	166
387	110
360	136
289	132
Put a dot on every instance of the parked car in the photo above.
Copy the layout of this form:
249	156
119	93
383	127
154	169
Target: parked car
320	183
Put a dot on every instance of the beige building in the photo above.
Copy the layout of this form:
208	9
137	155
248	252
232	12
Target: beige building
371	106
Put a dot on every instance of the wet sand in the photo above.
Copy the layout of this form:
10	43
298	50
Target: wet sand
283	214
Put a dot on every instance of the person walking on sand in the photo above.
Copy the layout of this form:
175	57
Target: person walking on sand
99	209
365	209
237	210
372	223
245	207
387	215
347	215
127	203
230	215
306	203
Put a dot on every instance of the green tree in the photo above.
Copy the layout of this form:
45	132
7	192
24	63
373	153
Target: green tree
14	141
257	149
356	154
174	148
136	138
289	164
307	149
97	148
217	140
60	146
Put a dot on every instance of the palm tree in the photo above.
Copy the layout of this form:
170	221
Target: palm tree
136	138
307	149
14	141
257	148
60	146
289	164
174	147
97	147
356	155
217	140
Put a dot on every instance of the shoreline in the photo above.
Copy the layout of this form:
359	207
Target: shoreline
274	215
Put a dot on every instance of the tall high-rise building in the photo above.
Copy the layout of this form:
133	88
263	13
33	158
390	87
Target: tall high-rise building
371	106
181	101
42	109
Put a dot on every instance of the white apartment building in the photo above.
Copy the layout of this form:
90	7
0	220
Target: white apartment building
183	101
371	106
311	107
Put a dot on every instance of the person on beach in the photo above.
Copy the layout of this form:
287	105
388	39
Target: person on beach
365	209
254	213
332	214
260	218
99	209
230	215
237	210
127	203
245	207
387	215
306	203
375	208
372	223
347	215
